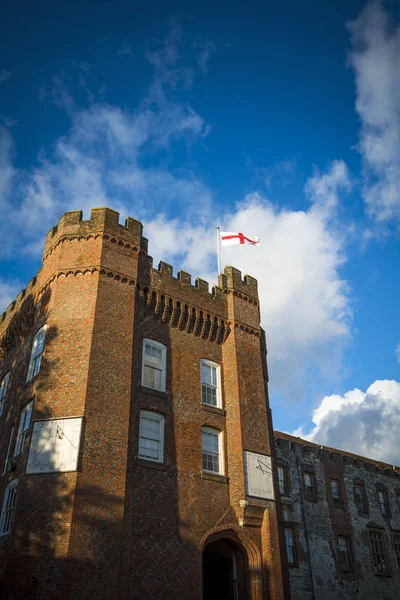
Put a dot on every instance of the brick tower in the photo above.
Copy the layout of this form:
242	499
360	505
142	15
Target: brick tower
135	431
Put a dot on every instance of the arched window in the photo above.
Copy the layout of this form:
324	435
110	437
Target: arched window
212	450
154	365
36	354
151	436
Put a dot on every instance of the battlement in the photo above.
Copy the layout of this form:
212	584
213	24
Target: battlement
230	281
101	220
104	222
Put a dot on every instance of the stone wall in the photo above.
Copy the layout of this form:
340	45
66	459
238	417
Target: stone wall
319	573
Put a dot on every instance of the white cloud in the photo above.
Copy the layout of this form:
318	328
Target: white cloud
305	304
8	291
323	188
100	161
306	307
5	75
365	423
375	59
206	50
7	171
397	351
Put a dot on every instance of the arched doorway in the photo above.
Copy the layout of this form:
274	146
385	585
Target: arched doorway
224	571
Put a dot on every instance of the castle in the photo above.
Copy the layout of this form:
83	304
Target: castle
139	456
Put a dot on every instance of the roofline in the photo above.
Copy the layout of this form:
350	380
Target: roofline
298	440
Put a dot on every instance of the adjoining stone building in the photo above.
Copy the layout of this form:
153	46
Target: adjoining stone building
136	442
341	517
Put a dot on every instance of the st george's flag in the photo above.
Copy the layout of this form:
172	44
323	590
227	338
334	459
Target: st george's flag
229	238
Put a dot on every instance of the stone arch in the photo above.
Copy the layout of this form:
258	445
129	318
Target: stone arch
245	542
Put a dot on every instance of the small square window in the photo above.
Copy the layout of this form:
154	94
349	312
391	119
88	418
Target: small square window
212	450
3	390
7	512
290	546
283	480
151	436
345	554
154	365
210	383
310	486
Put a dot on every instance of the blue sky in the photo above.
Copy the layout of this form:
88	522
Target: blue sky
278	119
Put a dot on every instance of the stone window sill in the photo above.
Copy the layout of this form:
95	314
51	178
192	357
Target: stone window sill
155	393
142	462
214	477
213	409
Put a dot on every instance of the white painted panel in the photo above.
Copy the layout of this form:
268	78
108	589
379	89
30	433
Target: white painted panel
54	446
258	475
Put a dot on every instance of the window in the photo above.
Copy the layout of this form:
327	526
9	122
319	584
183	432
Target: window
310	487
8	450
383	502
36	354
344	551
287	512
3	390
283	481
151	436
212	454
290	546
210	383
379	556
154	365
8	507
360	498
396	543
336	492
23	428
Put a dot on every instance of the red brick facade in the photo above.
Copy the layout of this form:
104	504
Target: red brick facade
120	526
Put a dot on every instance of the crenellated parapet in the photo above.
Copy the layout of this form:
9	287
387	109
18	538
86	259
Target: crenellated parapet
103	247
102	221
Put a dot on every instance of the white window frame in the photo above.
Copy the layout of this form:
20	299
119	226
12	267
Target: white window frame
8	450
149	362
147	414
36	354
8	508
23	428
220	454
3	390
215	366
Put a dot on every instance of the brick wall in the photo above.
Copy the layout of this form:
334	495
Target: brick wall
122	527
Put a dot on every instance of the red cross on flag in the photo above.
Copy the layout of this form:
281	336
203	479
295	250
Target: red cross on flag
229	238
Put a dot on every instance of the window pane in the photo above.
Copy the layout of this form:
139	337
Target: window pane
152	377
289	539
307	480
211	451
151	437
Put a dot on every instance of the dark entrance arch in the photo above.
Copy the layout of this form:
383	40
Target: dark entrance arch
224	571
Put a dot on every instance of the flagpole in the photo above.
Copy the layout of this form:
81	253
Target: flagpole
219	251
